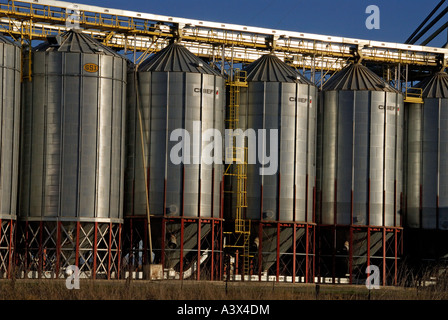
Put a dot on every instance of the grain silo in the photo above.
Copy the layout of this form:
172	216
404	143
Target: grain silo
280	200
426	178
360	132
10	66
72	163
174	91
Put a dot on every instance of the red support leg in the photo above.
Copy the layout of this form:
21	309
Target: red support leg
198	265
368	246
221	256
95	250
384	256
41	251
278	252
396	256
131	245
119	252
307	253
162	254
109	251
294	254
350	253
260	250
58	248
333	258
181	262
313	270
213	250
26	247
12	252
77	244
9	246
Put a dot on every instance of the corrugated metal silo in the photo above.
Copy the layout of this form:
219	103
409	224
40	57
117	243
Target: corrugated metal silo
174	90
360	171
426	180
72	167
282	201
10	72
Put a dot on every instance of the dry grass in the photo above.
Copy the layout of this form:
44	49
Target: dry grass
194	290
410	287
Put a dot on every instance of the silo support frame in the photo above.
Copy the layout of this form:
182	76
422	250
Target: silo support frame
46	248
282	252
344	252
179	243
7	234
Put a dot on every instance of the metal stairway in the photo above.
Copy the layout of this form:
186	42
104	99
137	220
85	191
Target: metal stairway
236	158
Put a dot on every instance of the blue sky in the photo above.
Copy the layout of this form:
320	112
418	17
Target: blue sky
398	18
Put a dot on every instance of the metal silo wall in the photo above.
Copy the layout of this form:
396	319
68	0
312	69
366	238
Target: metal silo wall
360	151
426	177
290	108
73	138
170	101
443	165
400	164
431	163
413	164
10	73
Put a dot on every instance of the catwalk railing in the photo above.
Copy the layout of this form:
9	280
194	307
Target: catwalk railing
221	43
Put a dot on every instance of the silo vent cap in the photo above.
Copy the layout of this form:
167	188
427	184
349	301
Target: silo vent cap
54	40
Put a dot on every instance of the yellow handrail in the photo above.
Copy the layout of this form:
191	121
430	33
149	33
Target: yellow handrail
413	95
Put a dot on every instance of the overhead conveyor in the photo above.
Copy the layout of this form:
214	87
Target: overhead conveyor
221	43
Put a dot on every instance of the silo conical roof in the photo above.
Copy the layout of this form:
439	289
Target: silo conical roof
176	58
4	39
357	77
269	68
435	86
76	42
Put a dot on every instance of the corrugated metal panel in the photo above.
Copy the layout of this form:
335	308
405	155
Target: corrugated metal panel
10	65
75	41
360	137
176	58
426	177
426	157
357	77
269	68
174	93
277	99
73	137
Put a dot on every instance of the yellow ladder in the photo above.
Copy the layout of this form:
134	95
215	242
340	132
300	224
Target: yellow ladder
236	157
